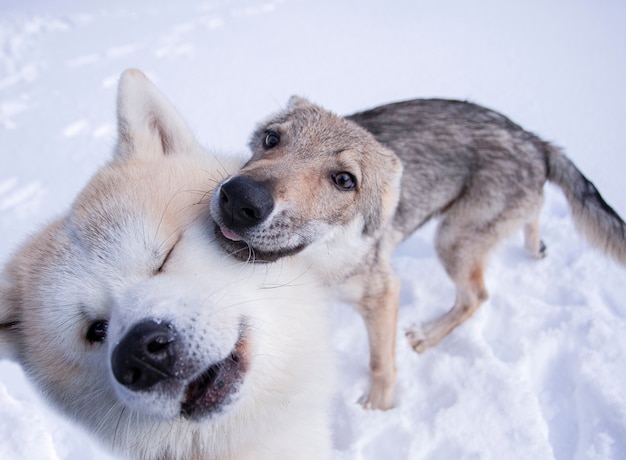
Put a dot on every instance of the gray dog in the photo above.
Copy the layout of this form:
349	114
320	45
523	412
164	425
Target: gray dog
344	192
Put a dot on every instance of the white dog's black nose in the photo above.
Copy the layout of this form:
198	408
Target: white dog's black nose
245	202
145	356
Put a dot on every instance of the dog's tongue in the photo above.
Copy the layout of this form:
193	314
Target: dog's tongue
230	235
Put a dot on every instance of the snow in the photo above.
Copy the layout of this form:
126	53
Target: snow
538	372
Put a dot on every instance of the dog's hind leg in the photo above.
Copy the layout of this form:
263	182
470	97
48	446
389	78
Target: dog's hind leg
379	308
532	239
533	244
462	251
470	293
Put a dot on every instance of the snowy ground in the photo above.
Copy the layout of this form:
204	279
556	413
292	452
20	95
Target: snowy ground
539	372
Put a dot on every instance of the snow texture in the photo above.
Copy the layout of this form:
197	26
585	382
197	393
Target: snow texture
539	372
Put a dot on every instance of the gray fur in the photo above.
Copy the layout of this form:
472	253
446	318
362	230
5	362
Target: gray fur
453	149
474	169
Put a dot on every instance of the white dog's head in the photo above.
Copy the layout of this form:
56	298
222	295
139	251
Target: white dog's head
130	319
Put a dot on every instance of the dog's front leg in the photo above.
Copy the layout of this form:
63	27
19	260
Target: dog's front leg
379	307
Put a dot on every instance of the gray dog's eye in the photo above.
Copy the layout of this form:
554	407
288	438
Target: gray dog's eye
344	180
271	139
97	331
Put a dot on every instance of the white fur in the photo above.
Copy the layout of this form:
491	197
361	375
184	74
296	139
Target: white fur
104	260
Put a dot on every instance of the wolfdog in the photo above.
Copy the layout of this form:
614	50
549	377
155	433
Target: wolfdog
133	322
342	193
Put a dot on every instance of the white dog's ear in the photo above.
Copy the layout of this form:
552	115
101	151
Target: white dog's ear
297	101
9	324
147	123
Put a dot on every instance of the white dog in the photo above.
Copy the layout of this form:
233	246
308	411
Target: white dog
131	320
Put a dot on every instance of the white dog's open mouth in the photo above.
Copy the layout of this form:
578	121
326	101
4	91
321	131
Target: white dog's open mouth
217	385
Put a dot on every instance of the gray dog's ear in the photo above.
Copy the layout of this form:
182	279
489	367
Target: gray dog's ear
147	123
297	101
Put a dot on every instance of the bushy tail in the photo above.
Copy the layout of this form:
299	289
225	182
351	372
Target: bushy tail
592	216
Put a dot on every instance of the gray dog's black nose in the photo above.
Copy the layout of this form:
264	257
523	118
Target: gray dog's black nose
145	356
245	202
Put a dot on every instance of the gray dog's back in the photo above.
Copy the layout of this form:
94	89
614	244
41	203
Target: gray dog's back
452	149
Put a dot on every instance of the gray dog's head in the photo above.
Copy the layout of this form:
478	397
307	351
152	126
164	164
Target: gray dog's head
312	174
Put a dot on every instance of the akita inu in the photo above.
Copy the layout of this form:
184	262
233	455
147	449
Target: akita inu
341	193
134	323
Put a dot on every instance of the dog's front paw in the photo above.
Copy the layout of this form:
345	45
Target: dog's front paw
375	401
380	396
